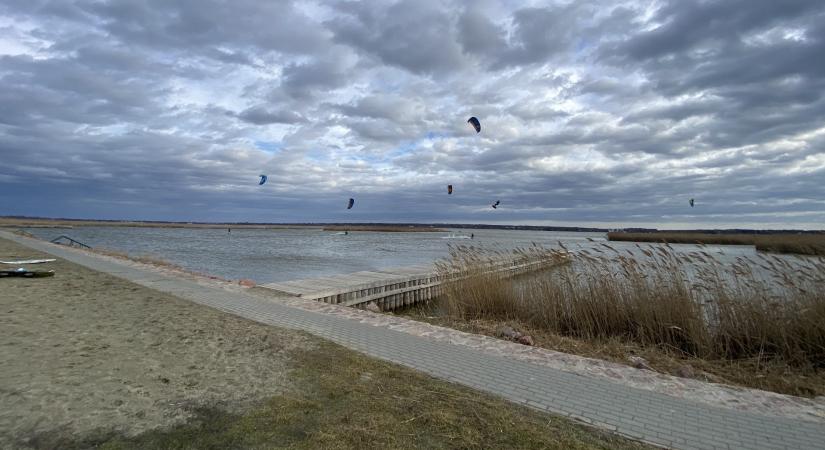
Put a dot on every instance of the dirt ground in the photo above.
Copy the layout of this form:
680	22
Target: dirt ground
83	350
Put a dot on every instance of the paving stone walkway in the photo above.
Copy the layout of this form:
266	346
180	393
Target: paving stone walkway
644	415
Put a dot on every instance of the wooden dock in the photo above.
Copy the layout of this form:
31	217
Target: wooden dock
390	289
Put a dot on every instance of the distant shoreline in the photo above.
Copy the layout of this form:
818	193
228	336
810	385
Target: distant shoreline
11	222
385	228
47	222
811	243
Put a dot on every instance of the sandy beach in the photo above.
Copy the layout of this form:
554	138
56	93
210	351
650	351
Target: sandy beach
83	351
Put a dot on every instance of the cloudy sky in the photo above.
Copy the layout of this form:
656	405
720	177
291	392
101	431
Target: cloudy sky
593	112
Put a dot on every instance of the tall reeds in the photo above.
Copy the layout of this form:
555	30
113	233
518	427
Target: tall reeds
764	307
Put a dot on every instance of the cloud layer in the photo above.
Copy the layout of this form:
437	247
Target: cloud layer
593	113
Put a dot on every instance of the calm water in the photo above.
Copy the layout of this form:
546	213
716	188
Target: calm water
281	255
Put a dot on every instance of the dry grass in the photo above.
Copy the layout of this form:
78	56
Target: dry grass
766	312
802	244
349	401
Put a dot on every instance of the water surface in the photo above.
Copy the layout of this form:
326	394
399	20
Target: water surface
288	254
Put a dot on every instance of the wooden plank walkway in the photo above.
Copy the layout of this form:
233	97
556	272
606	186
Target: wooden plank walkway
393	288
387	288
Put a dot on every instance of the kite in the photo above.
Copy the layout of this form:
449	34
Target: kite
475	123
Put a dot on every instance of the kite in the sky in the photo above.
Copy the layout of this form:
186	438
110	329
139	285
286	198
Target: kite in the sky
495	205
449	188
691	203
475	123
351	202
263	179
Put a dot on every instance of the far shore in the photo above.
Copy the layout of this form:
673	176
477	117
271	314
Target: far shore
15	222
794	243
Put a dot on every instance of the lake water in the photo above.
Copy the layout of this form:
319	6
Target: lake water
288	254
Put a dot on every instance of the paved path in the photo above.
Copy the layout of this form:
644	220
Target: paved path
643	415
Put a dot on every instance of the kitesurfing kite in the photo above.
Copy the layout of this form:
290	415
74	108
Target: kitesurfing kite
495	205
475	123
449	189
351	202
691	203
263	179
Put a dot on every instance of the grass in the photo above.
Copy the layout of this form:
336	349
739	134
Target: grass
759	322
802	244
345	401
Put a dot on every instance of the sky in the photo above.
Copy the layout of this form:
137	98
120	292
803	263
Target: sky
593	113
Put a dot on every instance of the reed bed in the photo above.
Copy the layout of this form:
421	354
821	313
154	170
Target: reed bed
687	303
802	244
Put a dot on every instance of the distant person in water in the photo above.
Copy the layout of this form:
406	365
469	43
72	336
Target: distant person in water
346	232
229	230
472	236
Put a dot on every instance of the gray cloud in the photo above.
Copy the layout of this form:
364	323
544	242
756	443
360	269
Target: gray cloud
261	115
592	112
687	25
418	36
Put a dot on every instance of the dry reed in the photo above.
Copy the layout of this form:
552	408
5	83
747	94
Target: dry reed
688	303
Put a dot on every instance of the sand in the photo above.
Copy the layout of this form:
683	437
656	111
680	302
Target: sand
84	352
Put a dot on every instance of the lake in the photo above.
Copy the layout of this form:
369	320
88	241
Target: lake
287	254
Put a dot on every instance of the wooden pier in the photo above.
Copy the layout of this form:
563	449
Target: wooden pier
391	289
